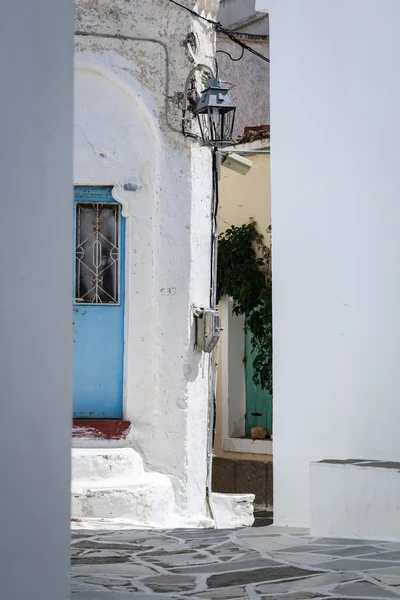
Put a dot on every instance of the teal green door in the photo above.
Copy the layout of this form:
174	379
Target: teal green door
258	401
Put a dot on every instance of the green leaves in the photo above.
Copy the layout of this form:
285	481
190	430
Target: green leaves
244	273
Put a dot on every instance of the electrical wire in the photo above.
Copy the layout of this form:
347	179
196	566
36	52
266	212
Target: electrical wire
220	29
193	12
230	56
232	36
213	304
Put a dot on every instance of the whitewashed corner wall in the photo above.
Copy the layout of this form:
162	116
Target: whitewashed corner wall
121	135
336	219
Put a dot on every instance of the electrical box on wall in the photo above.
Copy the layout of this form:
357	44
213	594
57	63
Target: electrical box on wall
208	327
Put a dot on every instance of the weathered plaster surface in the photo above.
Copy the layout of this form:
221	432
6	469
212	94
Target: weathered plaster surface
122	136
250	75
243	16
250	78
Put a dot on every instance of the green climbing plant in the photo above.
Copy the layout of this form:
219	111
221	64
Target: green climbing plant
244	273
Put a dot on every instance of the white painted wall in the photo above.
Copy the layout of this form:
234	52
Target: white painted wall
122	134
35	298
369	507
335	219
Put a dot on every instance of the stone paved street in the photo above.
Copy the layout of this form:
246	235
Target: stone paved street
261	562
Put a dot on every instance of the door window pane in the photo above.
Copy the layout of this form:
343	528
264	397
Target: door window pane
97	253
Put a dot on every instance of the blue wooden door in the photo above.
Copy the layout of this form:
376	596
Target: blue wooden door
98	304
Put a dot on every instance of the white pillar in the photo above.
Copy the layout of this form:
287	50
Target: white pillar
35	297
335	170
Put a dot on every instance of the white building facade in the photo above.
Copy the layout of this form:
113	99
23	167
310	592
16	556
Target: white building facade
335	215
143	207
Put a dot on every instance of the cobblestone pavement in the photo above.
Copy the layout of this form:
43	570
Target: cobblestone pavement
262	562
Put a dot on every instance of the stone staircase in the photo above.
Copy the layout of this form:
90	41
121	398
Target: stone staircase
112	484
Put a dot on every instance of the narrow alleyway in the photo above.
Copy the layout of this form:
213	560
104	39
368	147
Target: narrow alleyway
261	562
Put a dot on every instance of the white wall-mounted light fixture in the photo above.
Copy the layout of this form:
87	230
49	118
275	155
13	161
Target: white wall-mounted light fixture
235	162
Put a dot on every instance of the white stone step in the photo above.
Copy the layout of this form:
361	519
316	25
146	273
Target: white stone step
355	498
98	464
232	511
149	501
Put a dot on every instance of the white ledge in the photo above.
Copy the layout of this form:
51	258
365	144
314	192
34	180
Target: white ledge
247	446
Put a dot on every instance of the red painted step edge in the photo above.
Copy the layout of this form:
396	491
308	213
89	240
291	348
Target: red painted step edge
107	429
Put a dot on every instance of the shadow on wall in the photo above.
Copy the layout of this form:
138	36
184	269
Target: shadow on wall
192	367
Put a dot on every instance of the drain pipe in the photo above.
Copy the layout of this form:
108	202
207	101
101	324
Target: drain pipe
213	304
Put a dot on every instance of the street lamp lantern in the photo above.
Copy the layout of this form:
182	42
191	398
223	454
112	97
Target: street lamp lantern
215	111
